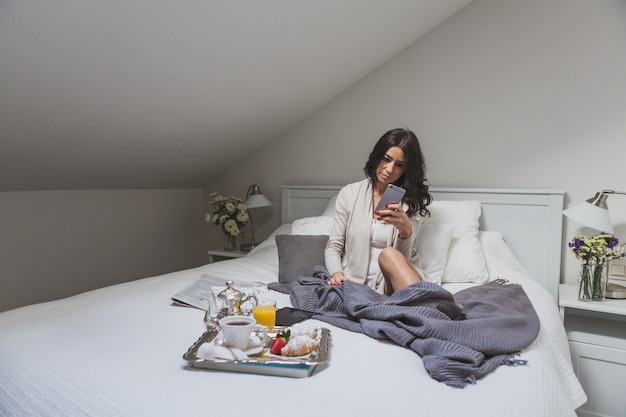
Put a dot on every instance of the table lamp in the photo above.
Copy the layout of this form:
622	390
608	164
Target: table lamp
254	199
594	213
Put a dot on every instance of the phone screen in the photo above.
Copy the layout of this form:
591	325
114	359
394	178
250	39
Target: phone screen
287	316
393	194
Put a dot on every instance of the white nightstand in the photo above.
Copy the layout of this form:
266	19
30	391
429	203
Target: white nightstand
216	255
596	331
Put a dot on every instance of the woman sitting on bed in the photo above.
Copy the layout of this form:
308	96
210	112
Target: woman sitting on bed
379	249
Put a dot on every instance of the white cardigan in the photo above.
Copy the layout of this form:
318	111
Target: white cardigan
348	247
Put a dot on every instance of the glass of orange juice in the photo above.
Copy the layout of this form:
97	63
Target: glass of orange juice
264	313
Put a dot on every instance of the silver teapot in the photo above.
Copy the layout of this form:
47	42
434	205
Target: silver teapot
232	299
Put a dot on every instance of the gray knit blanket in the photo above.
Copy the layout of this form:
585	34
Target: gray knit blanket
460	337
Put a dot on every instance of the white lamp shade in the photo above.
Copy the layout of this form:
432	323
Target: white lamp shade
257	200
591	216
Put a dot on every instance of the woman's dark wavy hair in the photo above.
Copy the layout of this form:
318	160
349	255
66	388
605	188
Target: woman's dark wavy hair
414	179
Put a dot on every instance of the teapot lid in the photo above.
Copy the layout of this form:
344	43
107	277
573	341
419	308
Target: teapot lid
230	293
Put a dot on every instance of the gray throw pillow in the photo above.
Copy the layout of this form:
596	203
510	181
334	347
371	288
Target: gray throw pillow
298	255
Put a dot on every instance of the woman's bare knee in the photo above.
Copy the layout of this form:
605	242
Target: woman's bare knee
389	257
397	270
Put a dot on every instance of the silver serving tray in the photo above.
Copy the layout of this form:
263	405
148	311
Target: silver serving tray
263	364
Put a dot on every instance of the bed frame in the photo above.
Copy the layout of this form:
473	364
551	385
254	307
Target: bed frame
530	220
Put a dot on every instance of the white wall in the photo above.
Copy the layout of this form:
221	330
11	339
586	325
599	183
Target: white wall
55	244
505	93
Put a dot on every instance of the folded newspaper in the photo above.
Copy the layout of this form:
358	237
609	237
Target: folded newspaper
195	294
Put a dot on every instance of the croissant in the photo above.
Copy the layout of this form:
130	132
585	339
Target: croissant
299	345
305	329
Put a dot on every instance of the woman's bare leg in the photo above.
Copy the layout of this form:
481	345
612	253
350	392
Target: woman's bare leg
397	270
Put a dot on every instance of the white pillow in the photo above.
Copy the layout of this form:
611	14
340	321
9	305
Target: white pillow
318	225
466	261
330	207
433	242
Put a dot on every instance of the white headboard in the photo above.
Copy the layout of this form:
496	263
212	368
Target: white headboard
529	219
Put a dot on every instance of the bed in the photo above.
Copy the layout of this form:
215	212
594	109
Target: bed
118	351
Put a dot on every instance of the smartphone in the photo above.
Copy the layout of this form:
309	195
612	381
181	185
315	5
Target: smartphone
393	194
287	316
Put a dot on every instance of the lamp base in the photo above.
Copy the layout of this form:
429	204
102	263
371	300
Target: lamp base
615	291
247	247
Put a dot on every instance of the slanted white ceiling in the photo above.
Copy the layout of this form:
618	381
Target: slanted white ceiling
163	93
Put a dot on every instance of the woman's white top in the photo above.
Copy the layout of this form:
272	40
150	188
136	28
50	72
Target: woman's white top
381	234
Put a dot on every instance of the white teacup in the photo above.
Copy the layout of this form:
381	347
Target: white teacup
237	330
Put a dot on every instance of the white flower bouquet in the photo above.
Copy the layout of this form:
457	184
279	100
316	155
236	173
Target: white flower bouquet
230	213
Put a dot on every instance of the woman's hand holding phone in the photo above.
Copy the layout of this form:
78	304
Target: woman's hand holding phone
389	210
395	215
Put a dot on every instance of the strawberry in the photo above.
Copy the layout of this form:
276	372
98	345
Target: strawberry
277	345
279	342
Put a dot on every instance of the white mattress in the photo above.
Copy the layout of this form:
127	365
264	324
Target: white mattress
117	351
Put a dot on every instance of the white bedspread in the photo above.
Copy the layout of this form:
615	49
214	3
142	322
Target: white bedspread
117	351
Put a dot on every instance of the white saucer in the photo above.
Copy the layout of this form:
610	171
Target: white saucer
255	346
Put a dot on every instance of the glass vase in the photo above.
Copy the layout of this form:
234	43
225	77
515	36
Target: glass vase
593	281
231	242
